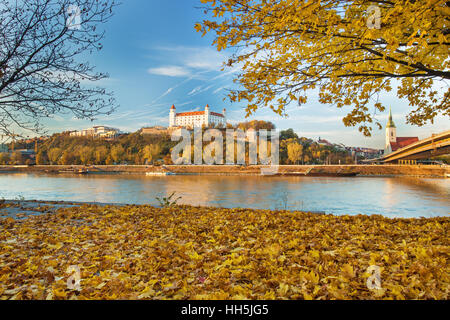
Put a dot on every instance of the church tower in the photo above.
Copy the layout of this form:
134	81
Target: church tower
391	133
172	116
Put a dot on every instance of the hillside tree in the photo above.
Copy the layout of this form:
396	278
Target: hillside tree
117	153
54	154
295	152
151	152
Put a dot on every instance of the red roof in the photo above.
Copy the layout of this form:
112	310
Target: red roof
198	113
403	142
324	142
217	114
194	113
173	107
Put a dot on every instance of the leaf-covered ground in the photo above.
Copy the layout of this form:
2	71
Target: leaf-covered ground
142	252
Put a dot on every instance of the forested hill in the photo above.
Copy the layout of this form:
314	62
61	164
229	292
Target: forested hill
128	148
138	148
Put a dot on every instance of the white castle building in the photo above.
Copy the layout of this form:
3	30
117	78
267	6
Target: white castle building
193	119
97	131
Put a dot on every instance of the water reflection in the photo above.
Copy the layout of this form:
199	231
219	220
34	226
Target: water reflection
391	196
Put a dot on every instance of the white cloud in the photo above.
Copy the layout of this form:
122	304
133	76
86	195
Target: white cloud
206	89
192	62
199	89
170	71
195	90
203	58
168	91
228	72
199	64
183	103
219	89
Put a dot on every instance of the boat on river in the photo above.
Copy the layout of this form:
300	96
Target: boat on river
319	174
74	170
159	174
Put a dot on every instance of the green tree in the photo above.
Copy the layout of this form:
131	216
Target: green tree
288	134
101	153
109	161
86	155
4	158
256	124
315	152
41	158
53	155
66	158
117	153
151	152
17	158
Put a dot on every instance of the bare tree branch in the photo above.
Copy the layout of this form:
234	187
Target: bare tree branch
42	72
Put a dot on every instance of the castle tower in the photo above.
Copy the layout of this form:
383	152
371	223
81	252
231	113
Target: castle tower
172	117
391	133
207	115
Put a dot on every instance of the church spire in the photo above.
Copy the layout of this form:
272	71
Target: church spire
390	123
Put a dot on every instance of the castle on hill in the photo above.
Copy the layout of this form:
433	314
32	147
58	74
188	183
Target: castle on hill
193	119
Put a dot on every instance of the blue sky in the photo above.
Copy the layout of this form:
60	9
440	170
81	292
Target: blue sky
155	58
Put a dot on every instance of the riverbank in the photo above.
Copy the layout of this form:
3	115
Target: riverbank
183	252
324	170
22	209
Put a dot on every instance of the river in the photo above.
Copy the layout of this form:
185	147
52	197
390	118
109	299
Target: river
389	196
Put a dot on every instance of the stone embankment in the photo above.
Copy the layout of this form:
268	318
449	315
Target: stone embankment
311	170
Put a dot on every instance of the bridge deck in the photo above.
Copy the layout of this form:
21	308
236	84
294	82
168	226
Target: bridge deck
430	147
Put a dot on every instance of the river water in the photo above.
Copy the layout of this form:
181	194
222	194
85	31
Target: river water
389	196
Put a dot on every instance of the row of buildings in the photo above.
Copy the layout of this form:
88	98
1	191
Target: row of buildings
208	118
367	153
392	143
97	132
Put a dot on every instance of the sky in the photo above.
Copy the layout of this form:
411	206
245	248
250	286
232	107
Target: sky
155	58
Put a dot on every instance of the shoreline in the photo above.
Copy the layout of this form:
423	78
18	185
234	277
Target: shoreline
432	171
19	209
